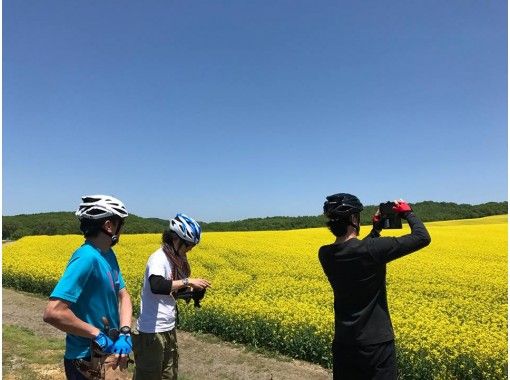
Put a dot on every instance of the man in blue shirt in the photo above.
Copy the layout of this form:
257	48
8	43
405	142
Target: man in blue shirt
91	296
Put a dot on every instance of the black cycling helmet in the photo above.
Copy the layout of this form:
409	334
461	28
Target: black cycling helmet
341	205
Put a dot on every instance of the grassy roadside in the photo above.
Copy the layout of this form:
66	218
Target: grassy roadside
34	350
28	356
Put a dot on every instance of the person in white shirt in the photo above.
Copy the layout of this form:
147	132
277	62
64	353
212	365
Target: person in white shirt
167	274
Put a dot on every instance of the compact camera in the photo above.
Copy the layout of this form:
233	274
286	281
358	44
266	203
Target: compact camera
390	219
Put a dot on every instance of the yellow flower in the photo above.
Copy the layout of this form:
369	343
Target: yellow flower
448	302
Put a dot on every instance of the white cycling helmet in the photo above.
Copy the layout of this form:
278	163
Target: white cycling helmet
187	228
100	206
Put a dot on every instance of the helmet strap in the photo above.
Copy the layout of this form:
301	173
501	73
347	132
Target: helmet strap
115	237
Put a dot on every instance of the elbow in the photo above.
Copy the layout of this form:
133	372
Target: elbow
48	316
426	240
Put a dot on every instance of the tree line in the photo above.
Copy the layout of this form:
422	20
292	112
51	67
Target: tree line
62	223
428	211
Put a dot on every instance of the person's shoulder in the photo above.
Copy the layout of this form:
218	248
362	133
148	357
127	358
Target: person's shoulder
355	245
337	248
355	242
157	256
321	253
326	249
85	252
158	253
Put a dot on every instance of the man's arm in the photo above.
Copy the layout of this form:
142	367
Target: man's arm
59	314
123	345
391	248
375	233
125	308
160	285
376	226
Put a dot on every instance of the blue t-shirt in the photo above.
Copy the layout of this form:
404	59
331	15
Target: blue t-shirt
91	283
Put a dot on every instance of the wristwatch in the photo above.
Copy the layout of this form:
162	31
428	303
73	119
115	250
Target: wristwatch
125	330
185	282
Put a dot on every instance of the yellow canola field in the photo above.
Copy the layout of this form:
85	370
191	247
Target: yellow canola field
448	302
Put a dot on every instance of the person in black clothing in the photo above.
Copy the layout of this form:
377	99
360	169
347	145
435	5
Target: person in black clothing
364	343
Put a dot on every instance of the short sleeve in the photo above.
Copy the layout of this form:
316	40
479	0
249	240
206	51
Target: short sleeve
122	284
156	266
74	279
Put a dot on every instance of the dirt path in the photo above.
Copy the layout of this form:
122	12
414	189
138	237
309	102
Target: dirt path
201	356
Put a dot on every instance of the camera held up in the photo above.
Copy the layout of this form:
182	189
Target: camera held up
390	219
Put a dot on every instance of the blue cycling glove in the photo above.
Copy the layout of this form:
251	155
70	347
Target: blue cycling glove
123	345
104	342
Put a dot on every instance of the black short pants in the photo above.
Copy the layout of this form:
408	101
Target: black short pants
370	362
72	372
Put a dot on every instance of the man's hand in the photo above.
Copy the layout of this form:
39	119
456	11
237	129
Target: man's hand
376	221
122	347
104	342
402	207
199	283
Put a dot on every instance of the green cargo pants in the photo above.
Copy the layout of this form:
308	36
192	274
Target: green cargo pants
155	355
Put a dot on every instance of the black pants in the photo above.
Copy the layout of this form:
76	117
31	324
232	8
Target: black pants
370	362
72	372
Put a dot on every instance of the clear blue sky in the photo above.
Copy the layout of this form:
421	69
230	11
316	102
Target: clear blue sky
233	109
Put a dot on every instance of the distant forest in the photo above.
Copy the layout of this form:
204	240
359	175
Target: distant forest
62	223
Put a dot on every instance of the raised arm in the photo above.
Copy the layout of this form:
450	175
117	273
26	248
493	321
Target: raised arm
390	248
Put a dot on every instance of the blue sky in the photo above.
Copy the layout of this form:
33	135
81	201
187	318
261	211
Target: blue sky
231	109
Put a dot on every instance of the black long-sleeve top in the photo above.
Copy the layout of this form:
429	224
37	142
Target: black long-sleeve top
160	285
356	270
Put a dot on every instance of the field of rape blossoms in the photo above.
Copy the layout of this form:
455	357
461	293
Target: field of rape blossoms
448	301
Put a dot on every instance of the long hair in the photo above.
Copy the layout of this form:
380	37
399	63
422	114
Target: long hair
168	236
180	265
